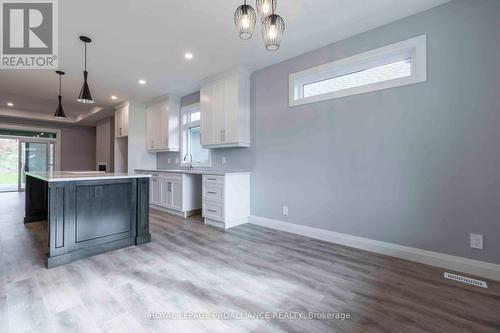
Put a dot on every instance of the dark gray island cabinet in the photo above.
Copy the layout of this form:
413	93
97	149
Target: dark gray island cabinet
88	213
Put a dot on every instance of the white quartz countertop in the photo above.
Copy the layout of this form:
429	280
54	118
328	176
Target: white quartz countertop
196	171
65	176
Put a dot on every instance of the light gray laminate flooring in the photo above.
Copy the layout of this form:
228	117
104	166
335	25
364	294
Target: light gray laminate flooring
190	267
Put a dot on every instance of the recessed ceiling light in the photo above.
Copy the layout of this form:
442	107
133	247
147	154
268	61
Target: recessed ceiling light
141	81
10	104
188	56
114	97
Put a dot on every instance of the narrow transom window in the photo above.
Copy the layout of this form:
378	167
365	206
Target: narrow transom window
390	66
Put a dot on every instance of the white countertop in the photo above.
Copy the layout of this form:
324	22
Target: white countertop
197	171
65	176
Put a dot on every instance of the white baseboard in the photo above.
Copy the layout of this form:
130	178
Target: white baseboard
167	210
459	264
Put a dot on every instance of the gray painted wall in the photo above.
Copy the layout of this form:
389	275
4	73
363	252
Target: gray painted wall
105	140
78	143
417	165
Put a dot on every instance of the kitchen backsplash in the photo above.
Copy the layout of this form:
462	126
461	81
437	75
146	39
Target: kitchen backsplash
237	159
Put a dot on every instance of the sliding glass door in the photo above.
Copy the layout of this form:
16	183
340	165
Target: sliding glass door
35	156
9	165
24	149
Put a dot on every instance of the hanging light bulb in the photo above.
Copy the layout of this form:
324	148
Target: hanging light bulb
273	29
60	111
244	19
85	96
265	8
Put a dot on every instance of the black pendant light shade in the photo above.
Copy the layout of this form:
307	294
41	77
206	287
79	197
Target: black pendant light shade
265	8
273	29
244	19
60	111
85	96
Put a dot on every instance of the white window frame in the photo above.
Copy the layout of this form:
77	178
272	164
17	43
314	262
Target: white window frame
413	48
185	126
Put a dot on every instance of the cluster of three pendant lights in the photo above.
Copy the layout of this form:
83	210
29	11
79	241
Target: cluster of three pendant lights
273	25
84	96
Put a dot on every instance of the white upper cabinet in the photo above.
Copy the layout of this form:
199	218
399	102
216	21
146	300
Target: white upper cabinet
225	111
162	125
121	121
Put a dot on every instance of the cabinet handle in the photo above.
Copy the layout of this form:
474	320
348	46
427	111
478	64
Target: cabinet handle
170	187
212	211
223	135
211	179
210	192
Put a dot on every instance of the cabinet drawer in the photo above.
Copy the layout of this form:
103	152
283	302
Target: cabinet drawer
214	192
213	210
209	179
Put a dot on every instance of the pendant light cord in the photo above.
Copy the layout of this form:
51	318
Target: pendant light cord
85	56
59	84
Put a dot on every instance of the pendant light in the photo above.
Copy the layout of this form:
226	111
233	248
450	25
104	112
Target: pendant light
244	19
265	8
60	111
85	96
273	28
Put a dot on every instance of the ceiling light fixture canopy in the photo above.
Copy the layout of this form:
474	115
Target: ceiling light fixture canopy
85	96
60	111
244	19
265	8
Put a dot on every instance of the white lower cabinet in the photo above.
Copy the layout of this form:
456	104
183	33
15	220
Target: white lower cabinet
155	191
226	199
176	193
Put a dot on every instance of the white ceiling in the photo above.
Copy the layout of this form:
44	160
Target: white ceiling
147	39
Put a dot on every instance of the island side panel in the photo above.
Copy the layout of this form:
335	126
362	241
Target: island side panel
97	216
35	200
143	235
58	216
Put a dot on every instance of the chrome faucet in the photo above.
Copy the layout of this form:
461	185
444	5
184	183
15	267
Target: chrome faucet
190	160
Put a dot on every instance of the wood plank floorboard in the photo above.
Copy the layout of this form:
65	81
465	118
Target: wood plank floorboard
191	267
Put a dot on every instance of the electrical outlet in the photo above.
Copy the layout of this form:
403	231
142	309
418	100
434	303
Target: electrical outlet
223	159
285	210
169	160
176	161
476	241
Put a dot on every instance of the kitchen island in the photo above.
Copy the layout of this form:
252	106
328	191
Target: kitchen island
88	213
